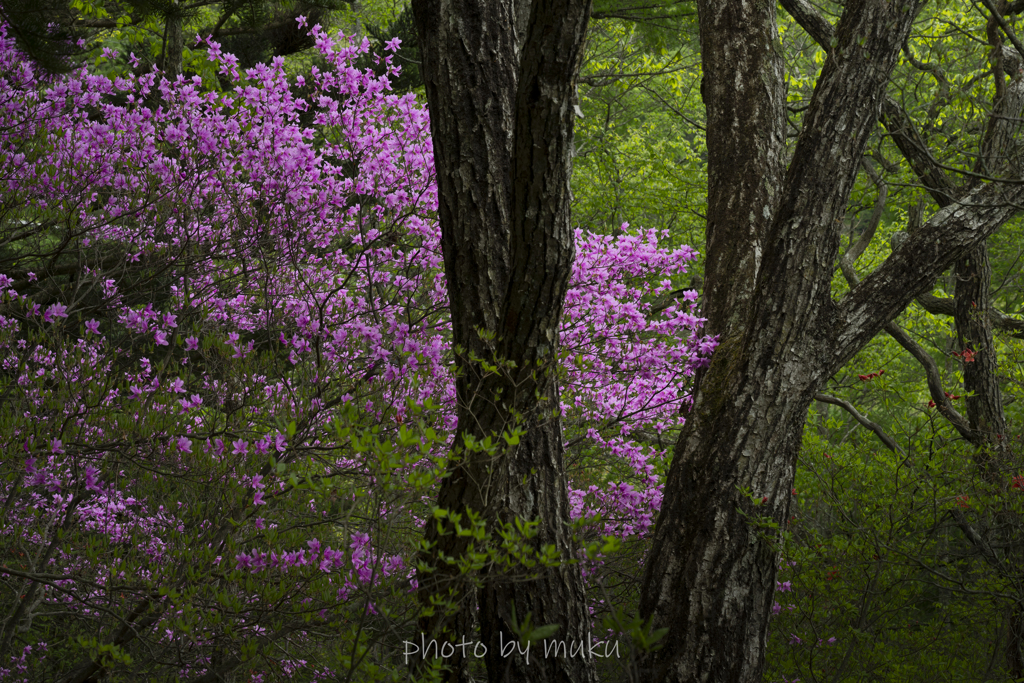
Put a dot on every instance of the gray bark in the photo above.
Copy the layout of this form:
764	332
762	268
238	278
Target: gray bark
947	306
174	43
502	123
744	164
974	332
711	571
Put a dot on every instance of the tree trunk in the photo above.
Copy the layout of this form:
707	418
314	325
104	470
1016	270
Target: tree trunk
501	120
972	315
174	43
974	333
744	166
710	576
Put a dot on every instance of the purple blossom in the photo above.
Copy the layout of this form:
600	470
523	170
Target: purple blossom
55	311
92	479
348	323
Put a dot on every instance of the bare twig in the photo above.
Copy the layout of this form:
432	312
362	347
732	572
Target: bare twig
889	442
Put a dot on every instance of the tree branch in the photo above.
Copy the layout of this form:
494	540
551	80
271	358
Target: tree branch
931	370
907	139
232	663
895	119
810	20
889	442
998	16
915	264
941	305
858	247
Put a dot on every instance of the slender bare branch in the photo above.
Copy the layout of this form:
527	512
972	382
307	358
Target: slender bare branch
889	442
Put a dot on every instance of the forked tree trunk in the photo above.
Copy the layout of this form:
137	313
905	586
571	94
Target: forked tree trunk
710	576
501	120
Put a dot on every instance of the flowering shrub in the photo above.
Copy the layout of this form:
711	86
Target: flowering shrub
225	372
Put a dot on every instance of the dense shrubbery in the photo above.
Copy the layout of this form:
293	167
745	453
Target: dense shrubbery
226	379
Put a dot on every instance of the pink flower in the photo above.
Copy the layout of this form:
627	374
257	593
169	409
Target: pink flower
92	479
55	311
351	310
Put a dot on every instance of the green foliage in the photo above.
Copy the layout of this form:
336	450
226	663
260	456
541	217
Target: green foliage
200	588
253	30
879	578
640	150
662	24
878	556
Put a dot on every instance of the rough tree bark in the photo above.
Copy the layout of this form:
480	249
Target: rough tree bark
174	42
502	124
710	575
971	306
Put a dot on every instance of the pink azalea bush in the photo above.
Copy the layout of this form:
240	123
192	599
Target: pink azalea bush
226	370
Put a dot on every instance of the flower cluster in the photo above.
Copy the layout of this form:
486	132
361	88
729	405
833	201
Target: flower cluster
224	334
870	376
